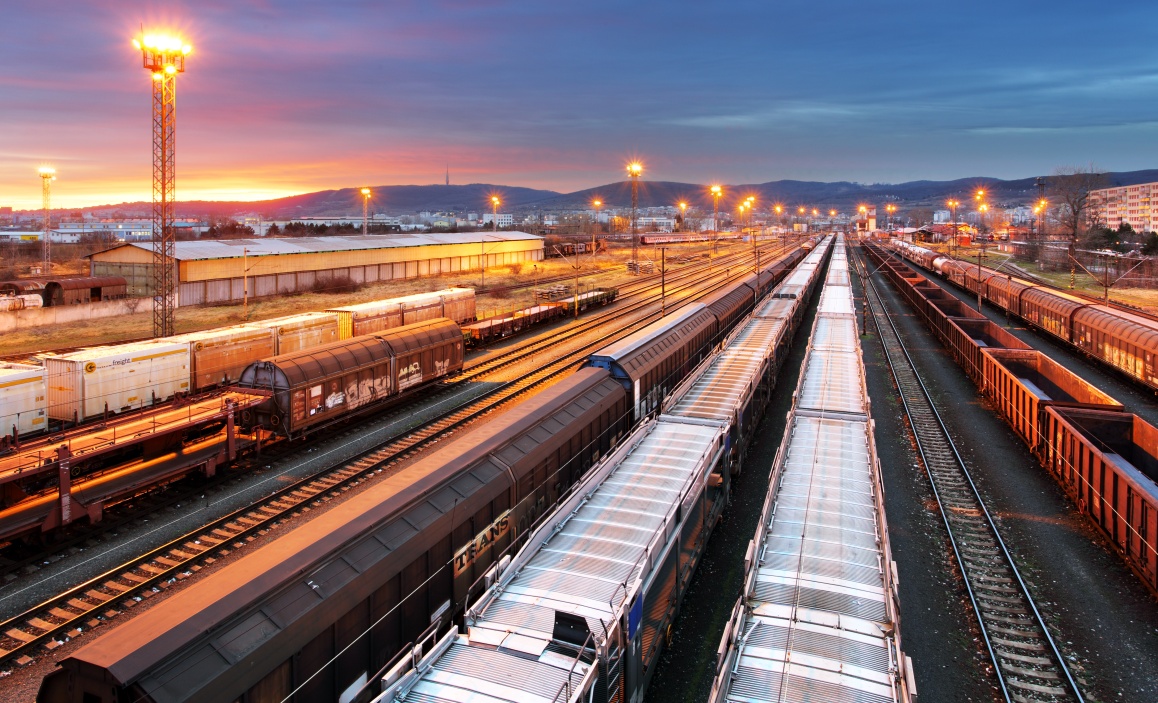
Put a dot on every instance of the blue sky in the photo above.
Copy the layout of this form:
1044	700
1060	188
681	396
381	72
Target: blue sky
285	97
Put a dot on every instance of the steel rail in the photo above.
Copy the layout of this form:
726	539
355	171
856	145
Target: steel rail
1012	627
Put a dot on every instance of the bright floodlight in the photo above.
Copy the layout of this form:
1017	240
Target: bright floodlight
365	191
46	171
634	168
163	53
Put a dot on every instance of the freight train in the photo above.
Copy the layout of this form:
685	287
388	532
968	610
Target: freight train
1102	456
317	613
818	616
99	382
688	237
584	610
1122	340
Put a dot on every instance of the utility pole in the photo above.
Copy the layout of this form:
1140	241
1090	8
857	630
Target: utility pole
163	57
47	176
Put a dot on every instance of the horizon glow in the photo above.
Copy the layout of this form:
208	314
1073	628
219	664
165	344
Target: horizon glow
294	97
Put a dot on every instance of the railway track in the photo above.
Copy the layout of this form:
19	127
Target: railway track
83	607
1028	664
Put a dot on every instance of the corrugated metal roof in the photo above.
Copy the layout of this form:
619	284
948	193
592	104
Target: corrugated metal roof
233	248
817	622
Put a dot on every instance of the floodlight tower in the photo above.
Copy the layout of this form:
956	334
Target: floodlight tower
163	56
365	208
634	169
47	176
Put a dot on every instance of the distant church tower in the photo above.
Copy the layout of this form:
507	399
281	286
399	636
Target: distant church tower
448	174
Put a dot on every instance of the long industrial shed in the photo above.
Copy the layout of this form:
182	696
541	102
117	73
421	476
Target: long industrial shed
214	271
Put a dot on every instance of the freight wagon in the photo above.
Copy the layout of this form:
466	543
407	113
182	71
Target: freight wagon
23	408
456	304
304	331
653	360
319	386
218	356
93	382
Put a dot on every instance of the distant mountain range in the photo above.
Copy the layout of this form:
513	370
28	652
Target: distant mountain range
402	200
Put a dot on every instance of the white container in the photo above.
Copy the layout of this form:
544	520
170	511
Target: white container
22	399
218	356
122	377
304	331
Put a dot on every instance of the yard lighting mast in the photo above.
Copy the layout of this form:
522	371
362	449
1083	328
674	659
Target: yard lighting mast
163	56
634	169
365	209
597	204
47	176
717	191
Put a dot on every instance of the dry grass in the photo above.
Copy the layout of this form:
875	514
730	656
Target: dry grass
605	269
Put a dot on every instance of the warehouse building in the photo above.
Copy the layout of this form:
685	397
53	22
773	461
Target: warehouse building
218	271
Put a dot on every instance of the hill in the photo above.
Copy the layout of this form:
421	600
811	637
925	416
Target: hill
841	195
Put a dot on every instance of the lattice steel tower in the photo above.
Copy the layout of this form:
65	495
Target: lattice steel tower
163	57
47	176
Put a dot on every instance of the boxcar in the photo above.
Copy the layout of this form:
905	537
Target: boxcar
1127	343
729	304
304	331
318	386
652	361
218	356
74	291
455	304
1049	311
388	562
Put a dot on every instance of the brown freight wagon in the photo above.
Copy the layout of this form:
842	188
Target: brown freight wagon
968	336
939	312
75	291
342	597
319	386
1022	383
1107	464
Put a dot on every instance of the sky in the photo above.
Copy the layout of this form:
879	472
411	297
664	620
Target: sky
284	97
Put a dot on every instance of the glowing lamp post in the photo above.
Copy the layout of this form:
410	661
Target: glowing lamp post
163	56
47	176
634	170
365	210
597	204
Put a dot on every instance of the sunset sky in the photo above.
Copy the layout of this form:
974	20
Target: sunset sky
285	97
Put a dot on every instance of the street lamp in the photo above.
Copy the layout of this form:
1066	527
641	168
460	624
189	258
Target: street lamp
365	208
495	213
683	214
47	176
597	204
717	191
980	246
863	217
890	209
634	169
953	216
